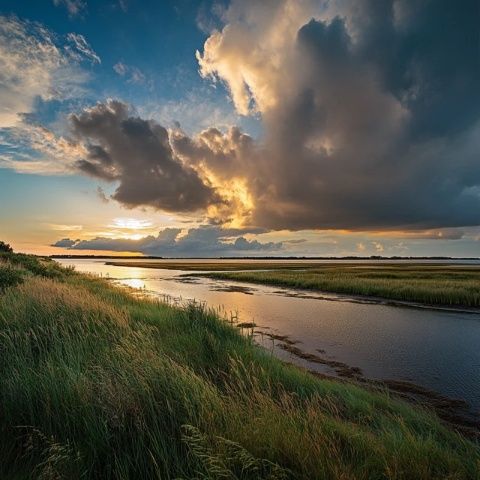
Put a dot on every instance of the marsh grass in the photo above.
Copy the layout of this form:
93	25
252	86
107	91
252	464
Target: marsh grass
99	384
433	285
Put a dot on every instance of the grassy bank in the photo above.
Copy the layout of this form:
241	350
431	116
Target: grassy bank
432	285
99	384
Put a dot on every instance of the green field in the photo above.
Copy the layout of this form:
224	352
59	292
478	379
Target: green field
431	285
99	384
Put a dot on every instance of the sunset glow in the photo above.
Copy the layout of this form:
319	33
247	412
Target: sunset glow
240	239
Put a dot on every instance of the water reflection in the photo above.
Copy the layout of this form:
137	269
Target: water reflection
134	283
435	349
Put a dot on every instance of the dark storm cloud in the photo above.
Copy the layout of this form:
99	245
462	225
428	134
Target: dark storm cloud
395	161
137	153
428	55
372	119
202	241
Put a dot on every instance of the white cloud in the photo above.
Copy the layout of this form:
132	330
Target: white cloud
54	155
81	49
34	66
255	49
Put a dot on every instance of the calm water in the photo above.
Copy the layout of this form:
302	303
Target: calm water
435	349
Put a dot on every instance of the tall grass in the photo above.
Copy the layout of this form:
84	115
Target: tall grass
449	286
99	384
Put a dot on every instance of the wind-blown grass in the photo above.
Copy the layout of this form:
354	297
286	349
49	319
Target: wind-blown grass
99	384
433	285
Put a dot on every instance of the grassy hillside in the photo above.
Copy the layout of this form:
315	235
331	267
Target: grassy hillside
99	384
433	285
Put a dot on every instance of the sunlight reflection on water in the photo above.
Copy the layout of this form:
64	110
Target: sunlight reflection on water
134	283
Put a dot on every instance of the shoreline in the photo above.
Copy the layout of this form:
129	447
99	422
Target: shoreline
455	412
354	297
341	297
233	272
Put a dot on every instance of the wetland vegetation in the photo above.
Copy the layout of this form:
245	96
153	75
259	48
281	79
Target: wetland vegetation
97	383
437	284
443	285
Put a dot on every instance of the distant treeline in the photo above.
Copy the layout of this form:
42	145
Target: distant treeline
352	257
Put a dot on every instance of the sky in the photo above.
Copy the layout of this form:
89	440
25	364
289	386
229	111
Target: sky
240	128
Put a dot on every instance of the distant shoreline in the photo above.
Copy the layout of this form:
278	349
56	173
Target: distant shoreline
370	258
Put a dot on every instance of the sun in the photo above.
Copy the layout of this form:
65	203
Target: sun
131	224
129	228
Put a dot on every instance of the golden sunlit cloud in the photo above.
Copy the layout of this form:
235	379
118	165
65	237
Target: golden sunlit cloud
238	202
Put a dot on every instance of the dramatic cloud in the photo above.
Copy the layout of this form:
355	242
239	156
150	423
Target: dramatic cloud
370	119
371	113
202	241
34	65
137	154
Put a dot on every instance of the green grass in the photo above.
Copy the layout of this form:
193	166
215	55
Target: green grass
99	384
432	285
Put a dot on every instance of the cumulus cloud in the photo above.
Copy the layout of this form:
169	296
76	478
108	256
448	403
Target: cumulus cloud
111	143
202	241
136	153
371	114
35	65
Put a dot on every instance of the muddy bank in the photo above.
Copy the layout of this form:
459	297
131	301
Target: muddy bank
293	292
456	413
